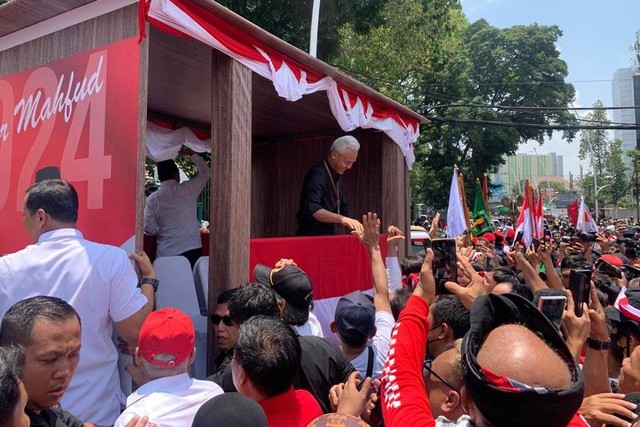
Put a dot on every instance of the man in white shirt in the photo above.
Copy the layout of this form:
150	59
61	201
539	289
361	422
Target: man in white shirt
97	280
171	214
165	350
364	328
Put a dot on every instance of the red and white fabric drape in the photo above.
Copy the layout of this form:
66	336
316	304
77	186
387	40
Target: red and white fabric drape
290	79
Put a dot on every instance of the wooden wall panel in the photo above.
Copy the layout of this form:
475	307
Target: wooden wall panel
278	173
105	29
231	174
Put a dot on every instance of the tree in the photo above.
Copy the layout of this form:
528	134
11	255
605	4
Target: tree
594	143
606	158
291	20
502	65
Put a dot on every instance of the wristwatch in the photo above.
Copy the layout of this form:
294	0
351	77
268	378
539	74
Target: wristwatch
598	345
149	281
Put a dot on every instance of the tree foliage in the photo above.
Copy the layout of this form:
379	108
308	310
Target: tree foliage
291	20
606	158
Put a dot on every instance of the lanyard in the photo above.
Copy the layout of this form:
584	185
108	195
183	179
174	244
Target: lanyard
336	193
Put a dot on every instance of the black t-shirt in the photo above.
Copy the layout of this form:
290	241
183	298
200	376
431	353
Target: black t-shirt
53	417
317	193
322	366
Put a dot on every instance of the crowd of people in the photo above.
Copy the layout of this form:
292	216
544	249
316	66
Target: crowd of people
507	341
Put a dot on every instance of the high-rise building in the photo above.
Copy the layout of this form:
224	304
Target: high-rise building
534	167
625	90
623	96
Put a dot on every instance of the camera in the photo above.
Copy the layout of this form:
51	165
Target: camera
587	237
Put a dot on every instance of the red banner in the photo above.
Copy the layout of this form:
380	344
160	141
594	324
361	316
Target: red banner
76	118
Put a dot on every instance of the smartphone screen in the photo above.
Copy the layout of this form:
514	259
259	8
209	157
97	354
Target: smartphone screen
552	306
579	282
445	268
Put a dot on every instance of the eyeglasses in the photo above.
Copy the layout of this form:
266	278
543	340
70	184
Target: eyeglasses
427	367
215	319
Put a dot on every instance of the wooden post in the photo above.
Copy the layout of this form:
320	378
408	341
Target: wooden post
231	179
395	192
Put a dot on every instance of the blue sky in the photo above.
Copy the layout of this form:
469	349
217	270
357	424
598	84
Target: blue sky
595	41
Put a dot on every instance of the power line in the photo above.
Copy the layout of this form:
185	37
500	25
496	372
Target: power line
529	125
507	107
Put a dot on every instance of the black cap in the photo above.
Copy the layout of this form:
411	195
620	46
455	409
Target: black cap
512	403
230	410
290	282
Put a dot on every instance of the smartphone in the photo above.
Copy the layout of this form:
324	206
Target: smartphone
552	306
536	244
445	268
579	283
603	267
547	234
518	238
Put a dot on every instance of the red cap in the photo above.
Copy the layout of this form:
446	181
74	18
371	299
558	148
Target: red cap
613	260
511	233
498	234
474	240
490	237
166	331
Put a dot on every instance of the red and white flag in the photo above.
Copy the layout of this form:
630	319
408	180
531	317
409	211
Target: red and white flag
526	222
585	220
538	218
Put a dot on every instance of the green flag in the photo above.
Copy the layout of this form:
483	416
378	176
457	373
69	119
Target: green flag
480	223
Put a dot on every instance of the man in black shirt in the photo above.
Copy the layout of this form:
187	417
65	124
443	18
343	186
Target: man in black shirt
322	202
49	330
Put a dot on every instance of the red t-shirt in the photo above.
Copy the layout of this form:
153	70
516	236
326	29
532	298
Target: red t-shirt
292	408
404	400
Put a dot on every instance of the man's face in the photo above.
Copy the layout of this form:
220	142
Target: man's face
629	378
442	366
342	162
19	417
564	277
225	335
50	361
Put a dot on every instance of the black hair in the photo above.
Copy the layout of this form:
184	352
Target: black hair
56	197
251	300
450	310
167	170
523	290
225	296
295	315
11	361
399	302
575	261
505	275
411	264
17	323
269	352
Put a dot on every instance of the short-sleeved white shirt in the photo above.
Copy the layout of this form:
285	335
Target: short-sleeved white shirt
170	401
100	283
171	213
380	344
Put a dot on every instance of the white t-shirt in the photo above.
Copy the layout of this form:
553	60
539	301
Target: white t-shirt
311	328
171	213
100	283
380	344
169	401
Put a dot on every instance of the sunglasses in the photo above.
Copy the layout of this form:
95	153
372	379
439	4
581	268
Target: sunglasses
427	367
215	319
